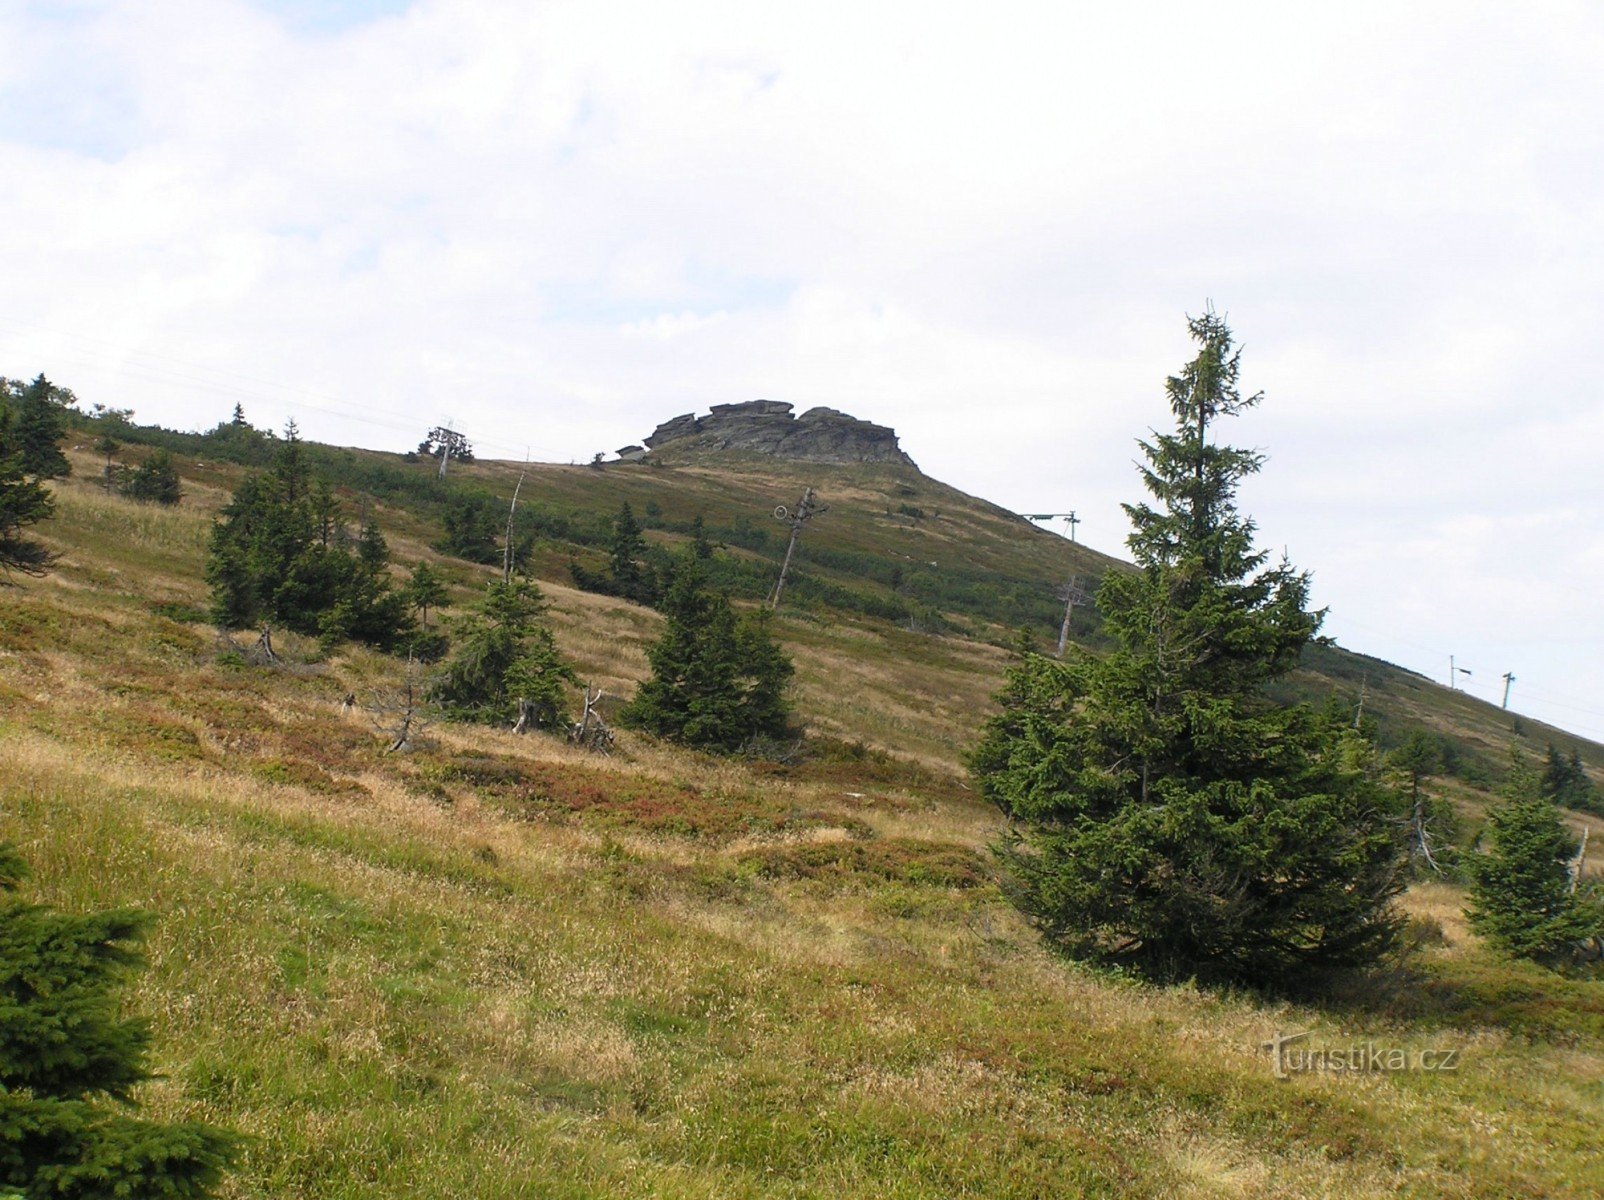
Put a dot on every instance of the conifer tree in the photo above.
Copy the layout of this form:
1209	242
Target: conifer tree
624	553
273	560
154	482
701	547
69	1063
506	663
425	590
1565	781
1165	812
40	426
108	445
24	501
716	681
628	576
1523	896
473	525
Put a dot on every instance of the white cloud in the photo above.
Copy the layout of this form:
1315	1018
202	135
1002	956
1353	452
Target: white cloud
562	223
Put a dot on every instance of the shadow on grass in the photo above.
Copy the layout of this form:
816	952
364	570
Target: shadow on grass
1476	990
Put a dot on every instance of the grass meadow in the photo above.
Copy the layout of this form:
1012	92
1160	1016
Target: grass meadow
499	967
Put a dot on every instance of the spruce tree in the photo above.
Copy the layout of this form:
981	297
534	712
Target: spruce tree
1523	897
628	576
274	559
108	445
153	482
1431	824
717	681
630	579
1565	781
24	501
69	1063
1165	812
473	526
425	590
41	424
506	662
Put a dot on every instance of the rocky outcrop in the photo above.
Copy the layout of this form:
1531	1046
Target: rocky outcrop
822	435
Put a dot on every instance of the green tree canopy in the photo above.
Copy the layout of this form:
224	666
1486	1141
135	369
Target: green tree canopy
41	423
505	665
425	590
473	523
155	481
24	501
1165	812
1565	781
273	559
69	1063
628	574
717	681
1523	898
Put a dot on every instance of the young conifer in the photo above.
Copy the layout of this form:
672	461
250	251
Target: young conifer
1523	896
69	1062
717	680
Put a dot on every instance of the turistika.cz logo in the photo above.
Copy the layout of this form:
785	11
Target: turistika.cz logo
1289	1059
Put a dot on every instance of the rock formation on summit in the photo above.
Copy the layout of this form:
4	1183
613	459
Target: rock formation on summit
821	435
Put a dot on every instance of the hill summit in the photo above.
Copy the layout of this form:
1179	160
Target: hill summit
820	435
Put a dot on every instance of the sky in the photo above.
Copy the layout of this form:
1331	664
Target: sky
555	225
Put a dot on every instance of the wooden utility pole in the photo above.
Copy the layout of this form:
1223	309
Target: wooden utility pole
1072	594
1509	678
806	509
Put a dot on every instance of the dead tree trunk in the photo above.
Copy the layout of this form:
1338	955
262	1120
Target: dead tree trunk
1071	596
507	554
591	731
1421	834
262	652
399	714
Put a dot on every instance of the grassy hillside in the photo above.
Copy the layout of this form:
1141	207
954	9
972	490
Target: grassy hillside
499	967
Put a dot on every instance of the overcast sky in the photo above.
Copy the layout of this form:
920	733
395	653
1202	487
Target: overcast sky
556	225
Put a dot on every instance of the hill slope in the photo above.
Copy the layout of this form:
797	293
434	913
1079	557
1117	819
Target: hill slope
498	967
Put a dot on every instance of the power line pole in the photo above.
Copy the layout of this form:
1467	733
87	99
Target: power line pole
1069	518
1071	595
1509	678
806	509
1454	673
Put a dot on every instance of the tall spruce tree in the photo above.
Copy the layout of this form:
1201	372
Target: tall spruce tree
1165	812
628	574
69	1062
